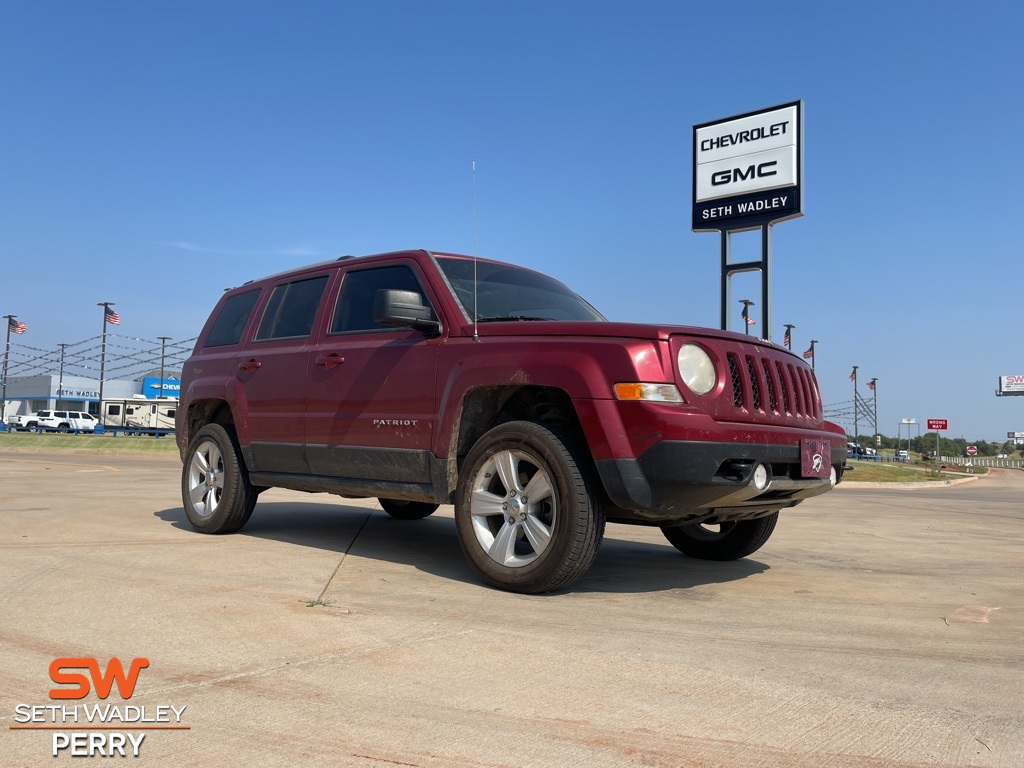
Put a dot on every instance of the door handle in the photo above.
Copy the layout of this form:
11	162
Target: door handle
250	365
329	361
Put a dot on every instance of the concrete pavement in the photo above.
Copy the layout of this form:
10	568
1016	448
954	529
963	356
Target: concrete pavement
876	628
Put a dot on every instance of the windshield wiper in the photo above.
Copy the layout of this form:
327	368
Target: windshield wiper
502	318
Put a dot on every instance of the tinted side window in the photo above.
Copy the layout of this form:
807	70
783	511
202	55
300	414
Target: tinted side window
291	309
354	310
231	321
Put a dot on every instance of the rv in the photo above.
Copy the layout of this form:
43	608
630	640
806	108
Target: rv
139	413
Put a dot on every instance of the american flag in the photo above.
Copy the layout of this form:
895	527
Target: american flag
853	375
111	316
871	385
785	338
809	353
16	326
746	316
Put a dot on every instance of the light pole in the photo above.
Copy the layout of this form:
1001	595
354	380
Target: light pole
163	346
747	322
60	377
788	338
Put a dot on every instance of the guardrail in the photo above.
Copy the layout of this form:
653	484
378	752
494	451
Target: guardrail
112	431
876	457
983	461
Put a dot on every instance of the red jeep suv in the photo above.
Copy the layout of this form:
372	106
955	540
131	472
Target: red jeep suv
426	378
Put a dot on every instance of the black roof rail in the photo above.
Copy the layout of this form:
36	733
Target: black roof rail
346	258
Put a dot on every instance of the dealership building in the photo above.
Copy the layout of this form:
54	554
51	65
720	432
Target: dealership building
30	394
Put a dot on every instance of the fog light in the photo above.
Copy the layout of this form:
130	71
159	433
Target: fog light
761	477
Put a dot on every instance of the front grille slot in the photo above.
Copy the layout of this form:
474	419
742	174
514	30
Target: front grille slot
769	385
755	390
737	385
786	386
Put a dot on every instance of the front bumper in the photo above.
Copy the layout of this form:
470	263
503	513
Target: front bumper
695	481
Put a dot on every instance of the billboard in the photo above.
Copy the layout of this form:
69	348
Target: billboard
1011	385
747	169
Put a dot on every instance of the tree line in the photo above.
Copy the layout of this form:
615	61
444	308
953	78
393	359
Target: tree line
948	446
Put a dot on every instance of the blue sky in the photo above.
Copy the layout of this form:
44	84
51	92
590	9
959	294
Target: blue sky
153	153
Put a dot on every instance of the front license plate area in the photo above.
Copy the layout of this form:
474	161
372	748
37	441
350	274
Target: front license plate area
815	458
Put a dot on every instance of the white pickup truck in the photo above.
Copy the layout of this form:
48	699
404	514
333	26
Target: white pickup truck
22	421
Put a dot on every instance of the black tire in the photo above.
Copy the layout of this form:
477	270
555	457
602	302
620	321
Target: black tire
215	488
64	428
545	543
407	510
731	541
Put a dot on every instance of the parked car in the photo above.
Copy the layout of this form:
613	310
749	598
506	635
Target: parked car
67	421
22	421
425	379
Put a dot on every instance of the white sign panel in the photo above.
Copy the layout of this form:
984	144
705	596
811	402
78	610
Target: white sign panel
747	169
749	154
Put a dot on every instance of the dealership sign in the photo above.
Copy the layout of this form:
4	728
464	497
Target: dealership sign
747	169
1011	384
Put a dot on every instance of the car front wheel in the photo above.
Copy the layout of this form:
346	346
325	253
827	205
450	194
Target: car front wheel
215	488
725	541
525	510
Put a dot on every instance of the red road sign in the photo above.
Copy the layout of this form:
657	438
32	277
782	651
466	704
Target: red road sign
972	450
938	424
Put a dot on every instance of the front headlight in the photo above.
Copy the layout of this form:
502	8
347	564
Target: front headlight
696	369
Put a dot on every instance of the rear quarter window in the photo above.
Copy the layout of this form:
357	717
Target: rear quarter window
231	320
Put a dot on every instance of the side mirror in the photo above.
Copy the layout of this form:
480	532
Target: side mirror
404	309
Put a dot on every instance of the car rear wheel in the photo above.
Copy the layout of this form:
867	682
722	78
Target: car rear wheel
215	488
725	541
525	509
407	510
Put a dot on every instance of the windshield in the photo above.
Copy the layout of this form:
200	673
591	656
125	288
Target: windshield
504	292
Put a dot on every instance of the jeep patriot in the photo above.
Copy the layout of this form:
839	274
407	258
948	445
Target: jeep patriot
424	378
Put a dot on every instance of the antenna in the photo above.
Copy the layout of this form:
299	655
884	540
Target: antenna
476	314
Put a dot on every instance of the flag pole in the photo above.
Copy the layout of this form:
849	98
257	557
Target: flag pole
856	405
7	354
788	337
813	342
103	355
